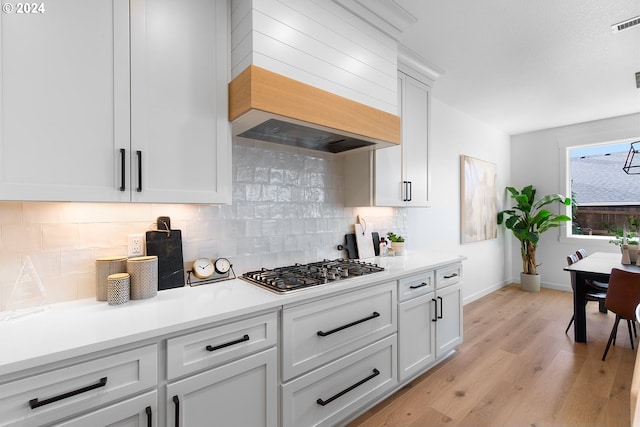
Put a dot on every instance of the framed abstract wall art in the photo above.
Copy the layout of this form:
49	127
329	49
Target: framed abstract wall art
478	199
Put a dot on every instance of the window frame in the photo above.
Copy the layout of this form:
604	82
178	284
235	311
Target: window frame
564	148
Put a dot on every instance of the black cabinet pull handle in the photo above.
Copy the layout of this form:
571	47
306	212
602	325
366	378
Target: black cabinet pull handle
373	316
435	310
440	314
421	285
410	191
35	403
405	196
218	347
139	154
148	411
122	171
451	276
176	402
348	389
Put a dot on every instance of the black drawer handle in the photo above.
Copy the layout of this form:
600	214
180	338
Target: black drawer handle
440	314
348	389
218	347
410	191
122	171
373	316
35	403
176	402
451	276
421	285
148	411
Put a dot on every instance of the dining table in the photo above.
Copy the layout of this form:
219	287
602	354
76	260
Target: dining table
596	266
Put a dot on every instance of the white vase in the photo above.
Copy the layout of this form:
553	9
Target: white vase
530	282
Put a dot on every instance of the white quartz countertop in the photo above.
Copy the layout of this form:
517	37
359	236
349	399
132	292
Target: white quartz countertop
75	328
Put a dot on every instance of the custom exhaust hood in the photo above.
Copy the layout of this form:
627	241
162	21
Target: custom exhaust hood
270	107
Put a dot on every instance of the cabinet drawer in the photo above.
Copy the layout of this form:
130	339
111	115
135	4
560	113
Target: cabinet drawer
415	286
329	394
217	345
138	411
448	275
325	330
44	398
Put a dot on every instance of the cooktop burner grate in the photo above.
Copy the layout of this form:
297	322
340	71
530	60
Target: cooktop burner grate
300	276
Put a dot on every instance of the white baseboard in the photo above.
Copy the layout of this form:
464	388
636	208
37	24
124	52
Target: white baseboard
484	292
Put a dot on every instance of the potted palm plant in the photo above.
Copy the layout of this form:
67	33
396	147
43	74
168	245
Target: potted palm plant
528	220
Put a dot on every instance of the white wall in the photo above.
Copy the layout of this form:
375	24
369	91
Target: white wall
454	133
538	158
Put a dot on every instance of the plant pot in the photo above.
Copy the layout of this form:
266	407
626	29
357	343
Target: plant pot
633	253
398	248
530	282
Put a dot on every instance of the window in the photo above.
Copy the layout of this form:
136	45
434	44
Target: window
606	200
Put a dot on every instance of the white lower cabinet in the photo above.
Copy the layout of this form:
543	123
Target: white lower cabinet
329	394
417	343
240	393
45	398
449	319
449	308
141	411
429	324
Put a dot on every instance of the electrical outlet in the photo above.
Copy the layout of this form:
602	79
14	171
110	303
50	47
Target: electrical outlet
135	244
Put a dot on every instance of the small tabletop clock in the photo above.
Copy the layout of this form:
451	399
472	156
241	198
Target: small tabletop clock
203	268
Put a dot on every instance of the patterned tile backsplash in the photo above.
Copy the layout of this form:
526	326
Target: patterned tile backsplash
287	207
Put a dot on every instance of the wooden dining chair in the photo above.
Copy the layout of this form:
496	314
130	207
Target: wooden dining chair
622	299
591	293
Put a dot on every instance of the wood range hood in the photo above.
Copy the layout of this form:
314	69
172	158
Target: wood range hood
267	106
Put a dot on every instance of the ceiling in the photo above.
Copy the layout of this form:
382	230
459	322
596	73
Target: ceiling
524	65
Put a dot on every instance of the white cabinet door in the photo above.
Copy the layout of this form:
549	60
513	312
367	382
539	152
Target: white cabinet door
180	134
141	411
417	335
400	175
415	140
449	324
241	393
64	113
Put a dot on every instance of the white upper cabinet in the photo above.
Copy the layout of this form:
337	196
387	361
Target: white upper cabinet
65	101
87	84
415	113
179	102
396	176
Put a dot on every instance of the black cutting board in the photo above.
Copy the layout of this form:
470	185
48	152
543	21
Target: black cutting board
350	246
168	249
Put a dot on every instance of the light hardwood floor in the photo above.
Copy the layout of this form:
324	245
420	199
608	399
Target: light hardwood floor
517	367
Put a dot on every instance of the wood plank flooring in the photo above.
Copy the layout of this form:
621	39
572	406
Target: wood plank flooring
517	367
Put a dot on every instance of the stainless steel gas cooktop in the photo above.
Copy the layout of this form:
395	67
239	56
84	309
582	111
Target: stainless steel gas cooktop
301	276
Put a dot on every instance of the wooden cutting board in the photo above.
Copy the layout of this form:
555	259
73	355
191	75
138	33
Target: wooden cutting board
364	241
